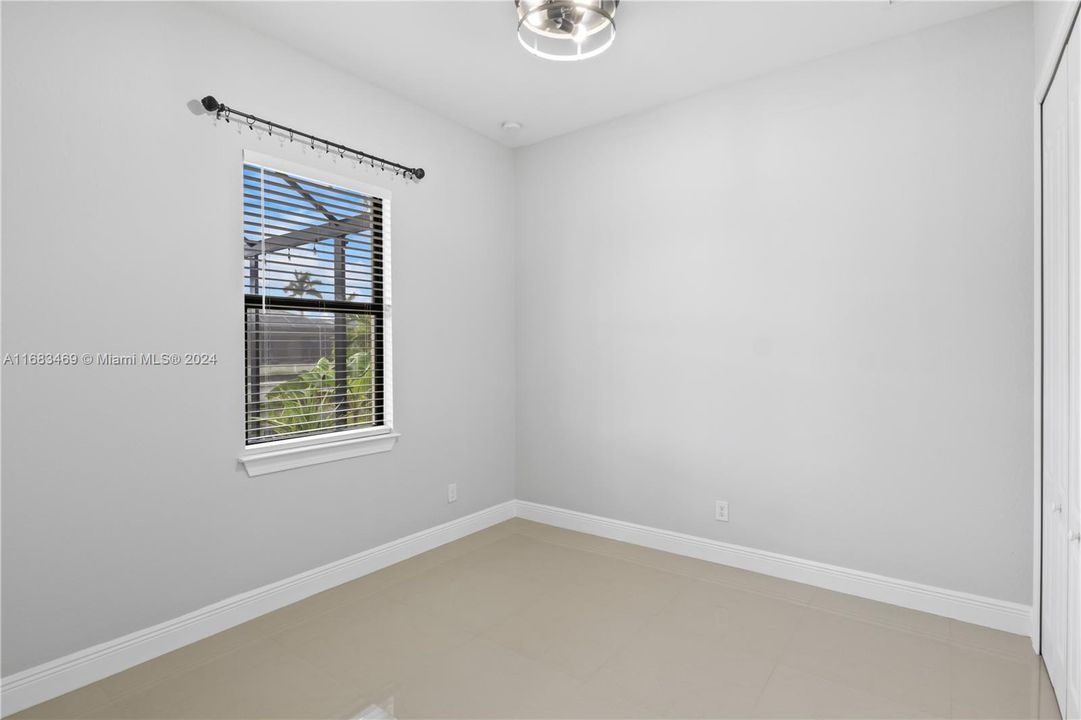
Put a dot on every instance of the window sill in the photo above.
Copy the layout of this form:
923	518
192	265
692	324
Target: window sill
288	454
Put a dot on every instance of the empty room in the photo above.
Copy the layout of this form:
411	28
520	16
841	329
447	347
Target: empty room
540	359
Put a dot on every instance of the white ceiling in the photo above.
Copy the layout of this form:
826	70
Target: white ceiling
462	59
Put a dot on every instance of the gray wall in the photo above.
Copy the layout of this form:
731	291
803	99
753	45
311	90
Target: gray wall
809	294
123	505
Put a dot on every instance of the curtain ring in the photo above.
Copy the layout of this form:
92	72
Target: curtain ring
251	124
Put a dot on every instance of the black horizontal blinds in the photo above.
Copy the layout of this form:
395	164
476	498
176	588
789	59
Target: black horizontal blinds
314	306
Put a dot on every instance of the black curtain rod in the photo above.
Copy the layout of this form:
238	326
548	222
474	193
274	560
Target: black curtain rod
210	104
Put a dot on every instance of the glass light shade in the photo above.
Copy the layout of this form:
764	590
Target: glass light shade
566	29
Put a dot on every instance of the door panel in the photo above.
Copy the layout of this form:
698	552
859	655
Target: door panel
1072	531
1056	376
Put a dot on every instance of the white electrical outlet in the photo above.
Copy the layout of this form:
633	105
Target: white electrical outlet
722	510
452	492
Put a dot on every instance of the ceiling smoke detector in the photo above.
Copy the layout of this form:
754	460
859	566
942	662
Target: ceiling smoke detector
566	29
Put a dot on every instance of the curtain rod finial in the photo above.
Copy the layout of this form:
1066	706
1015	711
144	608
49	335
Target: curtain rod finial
210	104
418	173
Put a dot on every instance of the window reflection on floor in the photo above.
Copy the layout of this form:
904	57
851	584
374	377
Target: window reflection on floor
382	710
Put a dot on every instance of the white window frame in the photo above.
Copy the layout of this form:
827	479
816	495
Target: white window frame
277	455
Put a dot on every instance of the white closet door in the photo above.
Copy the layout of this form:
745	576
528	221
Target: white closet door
1059	141
1072	705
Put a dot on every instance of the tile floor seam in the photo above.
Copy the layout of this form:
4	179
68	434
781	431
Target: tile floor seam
853	686
1001	655
312	665
953	692
94	708
676	573
765	685
135	690
884	625
712	581
792	635
216	656
844	682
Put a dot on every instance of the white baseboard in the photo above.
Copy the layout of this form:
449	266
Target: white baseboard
998	614
51	679
54	678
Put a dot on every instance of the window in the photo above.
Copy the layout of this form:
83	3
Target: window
315	310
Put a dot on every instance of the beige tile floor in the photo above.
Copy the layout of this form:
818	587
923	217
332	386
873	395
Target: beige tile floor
527	621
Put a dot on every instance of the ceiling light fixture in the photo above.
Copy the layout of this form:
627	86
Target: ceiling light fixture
566	29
